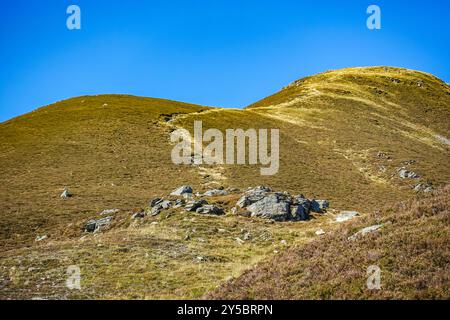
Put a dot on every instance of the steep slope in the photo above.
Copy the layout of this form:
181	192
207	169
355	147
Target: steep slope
344	135
411	250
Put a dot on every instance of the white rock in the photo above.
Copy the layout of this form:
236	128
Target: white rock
320	232
346	215
365	231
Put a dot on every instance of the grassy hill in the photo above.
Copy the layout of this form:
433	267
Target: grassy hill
344	135
411	249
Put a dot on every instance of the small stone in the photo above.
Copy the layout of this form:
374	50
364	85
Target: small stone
215	193
40	238
182	190
109	211
283	242
66	194
365	231
346	215
320	232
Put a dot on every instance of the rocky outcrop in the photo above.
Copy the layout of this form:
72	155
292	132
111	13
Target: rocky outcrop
271	207
279	206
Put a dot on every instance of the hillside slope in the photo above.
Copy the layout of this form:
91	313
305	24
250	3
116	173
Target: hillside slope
411	249
344	136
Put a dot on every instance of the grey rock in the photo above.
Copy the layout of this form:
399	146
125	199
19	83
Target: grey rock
210	209
319	206
346	215
40	238
182	190
299	213
66	194
443	139
365	231
155	202
406	174
164	205
425	187
320	232
253	195
138	215
271	207
97	225
193	205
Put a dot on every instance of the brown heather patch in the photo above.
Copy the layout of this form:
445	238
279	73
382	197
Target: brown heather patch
412	250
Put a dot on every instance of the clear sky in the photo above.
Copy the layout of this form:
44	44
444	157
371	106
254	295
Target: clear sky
213	52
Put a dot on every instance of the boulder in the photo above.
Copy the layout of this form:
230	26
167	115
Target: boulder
182	190
164	205
319	206
193	205
253	195
271	207
155	202
299	213
97	225
210	209
346	215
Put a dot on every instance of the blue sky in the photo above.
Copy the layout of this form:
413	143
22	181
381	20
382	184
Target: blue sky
212	52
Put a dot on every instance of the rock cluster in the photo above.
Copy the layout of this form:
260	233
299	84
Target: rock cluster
279	206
